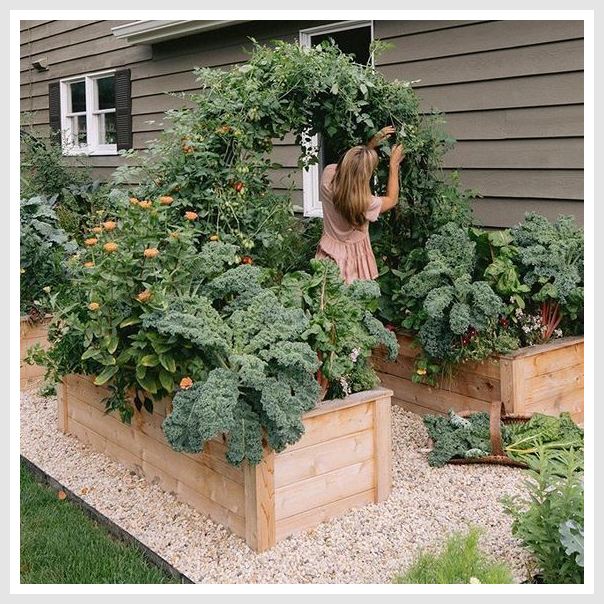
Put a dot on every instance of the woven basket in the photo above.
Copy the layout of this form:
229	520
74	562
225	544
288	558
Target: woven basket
498	417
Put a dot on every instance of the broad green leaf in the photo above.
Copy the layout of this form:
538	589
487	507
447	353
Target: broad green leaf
106	375
150	360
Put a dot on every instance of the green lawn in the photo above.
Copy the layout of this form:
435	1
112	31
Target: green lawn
61	544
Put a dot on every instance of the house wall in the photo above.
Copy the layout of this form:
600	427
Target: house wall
512	92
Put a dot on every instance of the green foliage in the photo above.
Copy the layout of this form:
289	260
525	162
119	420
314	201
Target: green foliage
455	436
44	249
341	329
549	518
460	561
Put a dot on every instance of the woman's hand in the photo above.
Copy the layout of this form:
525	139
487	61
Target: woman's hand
397	155
380	136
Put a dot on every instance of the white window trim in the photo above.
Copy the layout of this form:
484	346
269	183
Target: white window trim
93	147
310	175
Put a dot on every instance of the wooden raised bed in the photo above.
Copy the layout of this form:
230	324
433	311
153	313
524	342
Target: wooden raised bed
342	461
32	333
547	379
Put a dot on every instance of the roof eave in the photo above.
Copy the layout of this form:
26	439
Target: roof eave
151	32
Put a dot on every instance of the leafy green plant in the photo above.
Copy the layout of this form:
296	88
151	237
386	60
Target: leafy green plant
456	436
549	518
460	561
342	329
44	250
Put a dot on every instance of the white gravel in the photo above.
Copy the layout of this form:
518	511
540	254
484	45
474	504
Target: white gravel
367	545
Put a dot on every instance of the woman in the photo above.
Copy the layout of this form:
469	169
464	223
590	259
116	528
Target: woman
349	207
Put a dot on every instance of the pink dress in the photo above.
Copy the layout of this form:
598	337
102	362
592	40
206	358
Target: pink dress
348	247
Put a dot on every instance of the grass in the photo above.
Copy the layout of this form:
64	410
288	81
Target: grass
61	544
460	561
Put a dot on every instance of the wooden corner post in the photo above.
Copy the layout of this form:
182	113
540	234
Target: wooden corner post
383	448
259	485
62	405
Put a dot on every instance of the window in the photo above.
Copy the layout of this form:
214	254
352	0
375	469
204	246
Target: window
352	37
88	114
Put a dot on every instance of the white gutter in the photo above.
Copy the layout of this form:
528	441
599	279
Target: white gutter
150	32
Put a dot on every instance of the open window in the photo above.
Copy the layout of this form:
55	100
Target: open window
351	37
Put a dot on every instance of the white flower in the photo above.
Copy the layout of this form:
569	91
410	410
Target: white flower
345	386
474	580
354	354
558	333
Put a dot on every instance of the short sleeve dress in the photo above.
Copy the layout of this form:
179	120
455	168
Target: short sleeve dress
348	247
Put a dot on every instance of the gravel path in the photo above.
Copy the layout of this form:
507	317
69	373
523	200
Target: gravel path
368	545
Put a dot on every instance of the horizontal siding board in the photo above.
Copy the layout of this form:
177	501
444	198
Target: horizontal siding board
29	23
88	48
389	29
174	82
158	103
47	29
86	33
534	122
545	184
528	153
477	38
530	91
123	57
507	211
502	63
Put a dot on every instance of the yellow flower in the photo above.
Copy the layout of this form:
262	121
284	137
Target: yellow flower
166	200
109	225
91	241
191	215
46	289
214	238
94	306
144	295
151	252
421	371
22	270
144	204
110	247
186	383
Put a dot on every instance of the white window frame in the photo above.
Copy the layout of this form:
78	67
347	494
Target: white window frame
310	175
93	147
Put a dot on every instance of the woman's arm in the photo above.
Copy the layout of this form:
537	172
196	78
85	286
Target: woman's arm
392	189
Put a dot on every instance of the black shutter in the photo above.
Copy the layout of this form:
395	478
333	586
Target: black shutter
123	109
54	111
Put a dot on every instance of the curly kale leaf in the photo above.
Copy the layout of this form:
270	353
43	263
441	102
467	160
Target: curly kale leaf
203	411
438	300
381	335
245	437
236	287
211	261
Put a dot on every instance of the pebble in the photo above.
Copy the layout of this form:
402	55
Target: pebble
366	545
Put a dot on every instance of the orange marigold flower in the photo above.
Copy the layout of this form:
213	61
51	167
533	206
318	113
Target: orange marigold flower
91	241
88	264
166	200
144	204
109	225
144	295
97	230
151	252
94	306
134	201
247	260
186	383
214	238
110	247
191	215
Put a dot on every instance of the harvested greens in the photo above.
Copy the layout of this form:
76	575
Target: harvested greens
454	436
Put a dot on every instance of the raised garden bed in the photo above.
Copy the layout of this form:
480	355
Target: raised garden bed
547	379
32	333
342	461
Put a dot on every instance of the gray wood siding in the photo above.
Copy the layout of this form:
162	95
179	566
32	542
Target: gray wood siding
512	92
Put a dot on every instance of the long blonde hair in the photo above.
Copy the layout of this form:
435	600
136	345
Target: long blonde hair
351	190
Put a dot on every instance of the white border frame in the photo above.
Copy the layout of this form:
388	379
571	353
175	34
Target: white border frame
310	176
93	147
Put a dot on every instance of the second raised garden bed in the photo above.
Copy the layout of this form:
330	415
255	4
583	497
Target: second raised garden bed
547	379
32	333
342	461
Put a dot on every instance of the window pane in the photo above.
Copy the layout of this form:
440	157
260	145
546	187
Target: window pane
106	91
107	132
78	97
78	130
